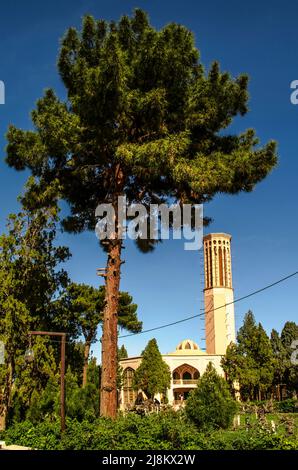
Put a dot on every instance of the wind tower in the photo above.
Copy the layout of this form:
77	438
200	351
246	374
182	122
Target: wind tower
218	293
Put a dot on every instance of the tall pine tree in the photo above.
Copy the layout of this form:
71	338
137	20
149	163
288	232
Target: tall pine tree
144	119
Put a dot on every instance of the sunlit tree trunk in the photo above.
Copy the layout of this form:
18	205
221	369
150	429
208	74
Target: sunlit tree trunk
108	397
108	402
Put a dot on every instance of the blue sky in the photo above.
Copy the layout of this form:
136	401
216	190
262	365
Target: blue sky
259	39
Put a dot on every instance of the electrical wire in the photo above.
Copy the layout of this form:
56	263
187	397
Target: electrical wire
212	310
258	291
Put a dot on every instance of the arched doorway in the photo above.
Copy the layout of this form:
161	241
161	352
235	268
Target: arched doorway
185	378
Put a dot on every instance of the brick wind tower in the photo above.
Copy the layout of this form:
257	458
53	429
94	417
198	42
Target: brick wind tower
219	322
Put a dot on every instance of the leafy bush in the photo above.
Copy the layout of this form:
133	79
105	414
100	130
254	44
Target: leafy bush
163	431
44	436
81	403
211	405
287	406
168	430
250	440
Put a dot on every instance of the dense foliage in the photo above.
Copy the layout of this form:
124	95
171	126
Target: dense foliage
153	374
163	431
36	294
31	276
81	311
211	405
260	366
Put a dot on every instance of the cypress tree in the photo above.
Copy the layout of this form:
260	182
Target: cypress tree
153	375
250	362
280	360
211	405
122	352
288	335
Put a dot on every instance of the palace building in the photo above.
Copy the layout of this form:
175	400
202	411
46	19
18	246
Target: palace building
188	362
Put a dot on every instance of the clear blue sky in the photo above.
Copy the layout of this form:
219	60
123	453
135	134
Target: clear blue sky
260	39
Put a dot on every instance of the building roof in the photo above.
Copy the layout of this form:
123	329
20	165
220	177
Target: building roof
188	347
217	235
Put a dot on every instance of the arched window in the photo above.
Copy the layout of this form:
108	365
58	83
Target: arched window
129	394
196	375
128	377
187	346
176	375
186	376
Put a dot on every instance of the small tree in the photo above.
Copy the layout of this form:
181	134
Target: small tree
264	360
251	361
280	360
83	308
153	375
122	354
211	405
233	366
288	335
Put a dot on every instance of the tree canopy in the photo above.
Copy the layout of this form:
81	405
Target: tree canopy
81	310
256	363
153	374
138	98
211	405
251	360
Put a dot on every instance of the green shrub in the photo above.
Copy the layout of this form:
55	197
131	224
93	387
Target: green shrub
163	431
81	403
287	406
44	436
211	405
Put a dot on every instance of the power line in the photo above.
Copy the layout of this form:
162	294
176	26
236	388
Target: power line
217	308
269	286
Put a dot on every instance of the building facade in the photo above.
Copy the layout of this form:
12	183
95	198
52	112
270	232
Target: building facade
188	362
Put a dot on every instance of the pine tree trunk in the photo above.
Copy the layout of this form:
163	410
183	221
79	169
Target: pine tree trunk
108	401
86	360
109	359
